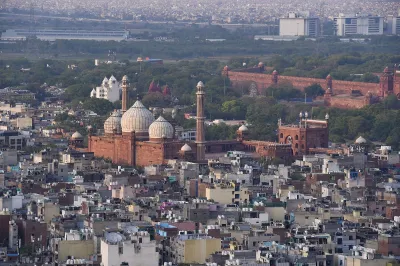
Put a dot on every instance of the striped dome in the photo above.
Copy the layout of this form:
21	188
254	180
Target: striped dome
137	119
160	129
113	123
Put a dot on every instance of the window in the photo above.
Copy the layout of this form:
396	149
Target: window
350	237
297	146
296	137
281	135
120	250
140	240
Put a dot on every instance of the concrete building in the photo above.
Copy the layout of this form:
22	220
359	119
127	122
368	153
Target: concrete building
79	245
135	249
13	236
24	122
13	140
52	35
361	256
359	24
227	193
295	24
11	202
194	248
108	90
393	25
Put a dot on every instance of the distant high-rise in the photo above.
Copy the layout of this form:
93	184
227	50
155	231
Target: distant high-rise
393	25
296	24
359	24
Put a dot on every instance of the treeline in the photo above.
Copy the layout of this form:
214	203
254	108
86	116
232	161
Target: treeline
191	43
378	122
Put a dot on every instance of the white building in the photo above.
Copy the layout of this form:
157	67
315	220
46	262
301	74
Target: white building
393	25
359	24
296	24
136	249
187	135
13	235
109	90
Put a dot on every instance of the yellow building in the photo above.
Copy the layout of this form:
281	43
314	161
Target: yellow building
79	249
195	248
49	210
227	193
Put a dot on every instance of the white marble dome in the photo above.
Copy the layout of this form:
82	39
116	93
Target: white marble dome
243	128
161	128
137	118
361	140
77	135
113	124
186	148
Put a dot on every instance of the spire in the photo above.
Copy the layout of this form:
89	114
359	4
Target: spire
154	87
200	139
166	90
124	93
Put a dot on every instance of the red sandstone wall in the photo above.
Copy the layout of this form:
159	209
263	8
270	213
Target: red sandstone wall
102	147
149	153
347	103
123	151
116	148
263	81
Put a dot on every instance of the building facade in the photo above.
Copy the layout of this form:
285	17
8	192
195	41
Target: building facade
135	249
308	134
109	90
297	25
358	25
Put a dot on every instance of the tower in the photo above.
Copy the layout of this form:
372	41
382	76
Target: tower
329	83
124	93
386	82
200	140
274	77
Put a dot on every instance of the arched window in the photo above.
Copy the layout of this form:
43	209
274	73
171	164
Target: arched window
281	135
297	137
302	146
296	146
302	137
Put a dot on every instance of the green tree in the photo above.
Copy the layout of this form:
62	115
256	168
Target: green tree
357	125
99	106
234	109
80	91
155	99
314	90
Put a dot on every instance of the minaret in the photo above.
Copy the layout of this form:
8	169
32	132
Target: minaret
200	140
124	93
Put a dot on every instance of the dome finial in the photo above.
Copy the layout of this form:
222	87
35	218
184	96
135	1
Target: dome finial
200	84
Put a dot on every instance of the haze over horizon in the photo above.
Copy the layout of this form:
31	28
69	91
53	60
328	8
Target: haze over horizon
201	10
